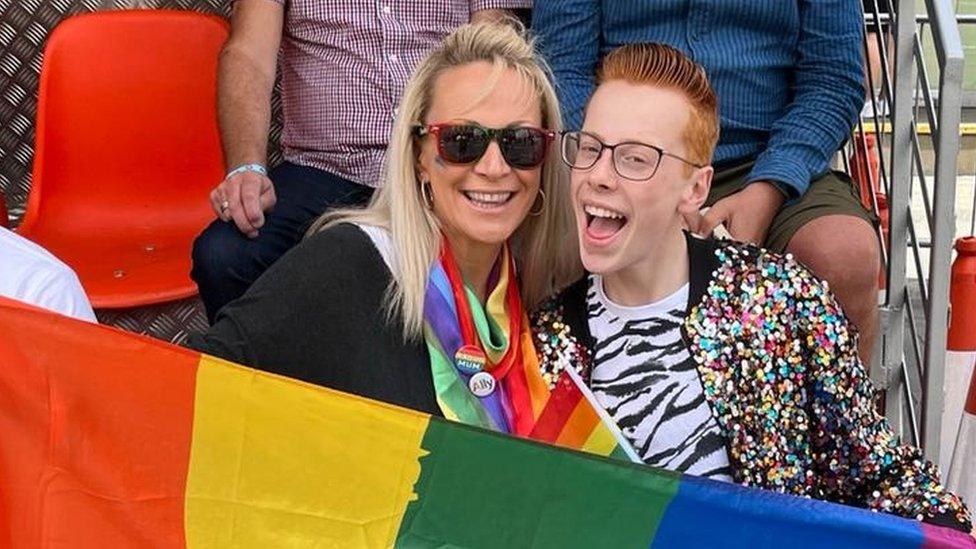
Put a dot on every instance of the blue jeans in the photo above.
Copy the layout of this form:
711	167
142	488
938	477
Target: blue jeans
226	263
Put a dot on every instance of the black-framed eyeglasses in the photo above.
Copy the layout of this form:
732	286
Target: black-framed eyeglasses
632	160
523	147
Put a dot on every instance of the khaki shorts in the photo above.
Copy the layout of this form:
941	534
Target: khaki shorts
833	193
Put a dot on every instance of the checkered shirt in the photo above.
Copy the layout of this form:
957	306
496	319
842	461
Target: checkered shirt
344	64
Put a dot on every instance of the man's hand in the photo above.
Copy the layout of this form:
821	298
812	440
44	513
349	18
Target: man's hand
245	77
746	214
243	198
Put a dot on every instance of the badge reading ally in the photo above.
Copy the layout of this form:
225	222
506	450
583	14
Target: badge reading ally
482	384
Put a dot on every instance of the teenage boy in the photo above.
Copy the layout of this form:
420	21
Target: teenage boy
715	358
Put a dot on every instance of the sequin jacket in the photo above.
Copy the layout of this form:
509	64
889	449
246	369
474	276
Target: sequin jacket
779	366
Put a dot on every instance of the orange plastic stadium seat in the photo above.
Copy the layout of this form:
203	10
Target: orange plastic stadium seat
127	150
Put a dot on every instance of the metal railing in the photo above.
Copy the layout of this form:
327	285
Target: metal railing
912	376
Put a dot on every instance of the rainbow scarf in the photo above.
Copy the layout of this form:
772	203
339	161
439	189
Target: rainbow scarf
468	341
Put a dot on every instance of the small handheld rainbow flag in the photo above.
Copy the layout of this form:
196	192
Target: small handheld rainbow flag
574	419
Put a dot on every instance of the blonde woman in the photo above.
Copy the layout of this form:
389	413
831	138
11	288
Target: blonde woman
418	299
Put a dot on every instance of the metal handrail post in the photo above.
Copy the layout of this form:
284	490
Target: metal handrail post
901	172
948	44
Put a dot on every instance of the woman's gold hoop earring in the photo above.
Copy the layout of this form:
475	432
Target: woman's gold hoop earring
542	207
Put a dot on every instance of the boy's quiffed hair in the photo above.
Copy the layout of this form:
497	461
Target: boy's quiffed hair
660	65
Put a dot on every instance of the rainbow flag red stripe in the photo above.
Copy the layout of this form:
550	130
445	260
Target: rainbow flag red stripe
116	440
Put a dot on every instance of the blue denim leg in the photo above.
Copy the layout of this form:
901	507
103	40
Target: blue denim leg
226	263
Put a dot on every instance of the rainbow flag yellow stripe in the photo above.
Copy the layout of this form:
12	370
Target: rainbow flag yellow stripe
115	440
337	483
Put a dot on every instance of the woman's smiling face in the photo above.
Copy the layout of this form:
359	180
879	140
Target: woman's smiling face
482	203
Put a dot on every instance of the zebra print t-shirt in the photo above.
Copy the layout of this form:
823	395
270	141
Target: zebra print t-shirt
645	378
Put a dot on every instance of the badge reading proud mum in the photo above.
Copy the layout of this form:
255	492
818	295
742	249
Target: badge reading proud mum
470	359
482	384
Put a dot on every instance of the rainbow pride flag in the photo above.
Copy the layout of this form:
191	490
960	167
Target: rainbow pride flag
113	440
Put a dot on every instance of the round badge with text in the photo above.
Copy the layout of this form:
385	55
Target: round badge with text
470	359
482	384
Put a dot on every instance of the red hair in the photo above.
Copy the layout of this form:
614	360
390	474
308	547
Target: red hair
663	66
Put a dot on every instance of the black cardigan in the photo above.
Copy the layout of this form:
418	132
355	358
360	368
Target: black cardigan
318	315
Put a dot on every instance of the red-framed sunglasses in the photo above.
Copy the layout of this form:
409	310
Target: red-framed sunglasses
523	147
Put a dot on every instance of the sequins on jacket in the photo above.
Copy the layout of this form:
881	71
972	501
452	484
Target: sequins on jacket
779	366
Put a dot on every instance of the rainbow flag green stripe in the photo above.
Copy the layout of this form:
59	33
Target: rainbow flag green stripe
116	440
476	486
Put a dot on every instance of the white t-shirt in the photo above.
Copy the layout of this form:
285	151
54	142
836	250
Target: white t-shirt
29	273
645	378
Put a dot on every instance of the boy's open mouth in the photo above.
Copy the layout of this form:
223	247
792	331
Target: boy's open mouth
602	223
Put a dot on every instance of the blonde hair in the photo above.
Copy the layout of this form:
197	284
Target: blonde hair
544	246
663	66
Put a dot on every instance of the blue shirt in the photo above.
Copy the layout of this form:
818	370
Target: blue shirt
788	73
